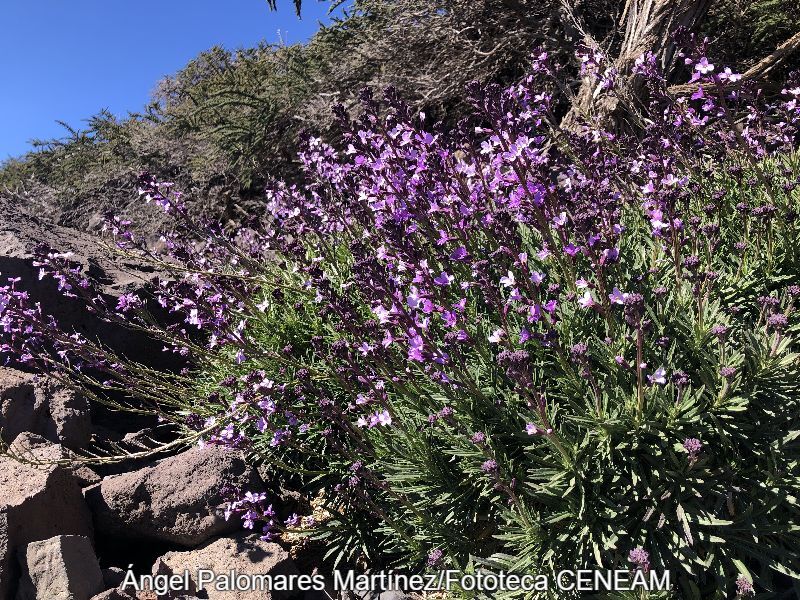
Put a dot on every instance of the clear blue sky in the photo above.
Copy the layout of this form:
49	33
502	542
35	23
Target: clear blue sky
67	59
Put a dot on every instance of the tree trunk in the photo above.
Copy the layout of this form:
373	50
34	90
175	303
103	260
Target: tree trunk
648	25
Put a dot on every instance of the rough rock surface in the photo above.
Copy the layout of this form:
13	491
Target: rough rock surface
61	568
246	555
114	594
113	577
39	404
176	500
36	503
21	232
36	449
145	438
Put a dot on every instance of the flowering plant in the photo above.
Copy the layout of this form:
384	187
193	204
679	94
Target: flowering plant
506	343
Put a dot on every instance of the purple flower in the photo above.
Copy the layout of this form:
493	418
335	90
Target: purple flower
267	406
691	262
744	587
728	75
778	321
537	278
534	313
617	297
450	318
508	280
680	378
657	222
641	558
382	314
415	345
659	377
720	332
279	437
578	351
414	299
435	558
293	520
364	348
768	301
490	466
444	279
459	253
128	302
634	309
497	336
692	447
703	66
609	255
380	418
478	438
586	301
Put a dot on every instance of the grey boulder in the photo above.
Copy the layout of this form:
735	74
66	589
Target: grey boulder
240	554
114	594
36	449
36	503
23	229
60	568
177	500
113	577
41	405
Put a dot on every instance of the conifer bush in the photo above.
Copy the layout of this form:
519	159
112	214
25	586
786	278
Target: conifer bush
501	345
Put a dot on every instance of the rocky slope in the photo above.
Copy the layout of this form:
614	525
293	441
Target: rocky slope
72	531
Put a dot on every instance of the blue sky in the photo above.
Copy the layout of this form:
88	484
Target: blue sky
67	59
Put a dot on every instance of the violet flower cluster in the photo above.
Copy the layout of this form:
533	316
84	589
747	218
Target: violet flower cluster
501	340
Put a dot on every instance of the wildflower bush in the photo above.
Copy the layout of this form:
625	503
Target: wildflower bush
500	345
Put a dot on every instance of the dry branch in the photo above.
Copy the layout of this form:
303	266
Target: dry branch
758	71
648	26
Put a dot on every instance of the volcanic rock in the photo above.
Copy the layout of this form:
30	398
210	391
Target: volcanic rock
177	500
36	449
37	503
41	405
242	555
114	594
21	231
61	568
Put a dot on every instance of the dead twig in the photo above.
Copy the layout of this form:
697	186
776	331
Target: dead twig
755	73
